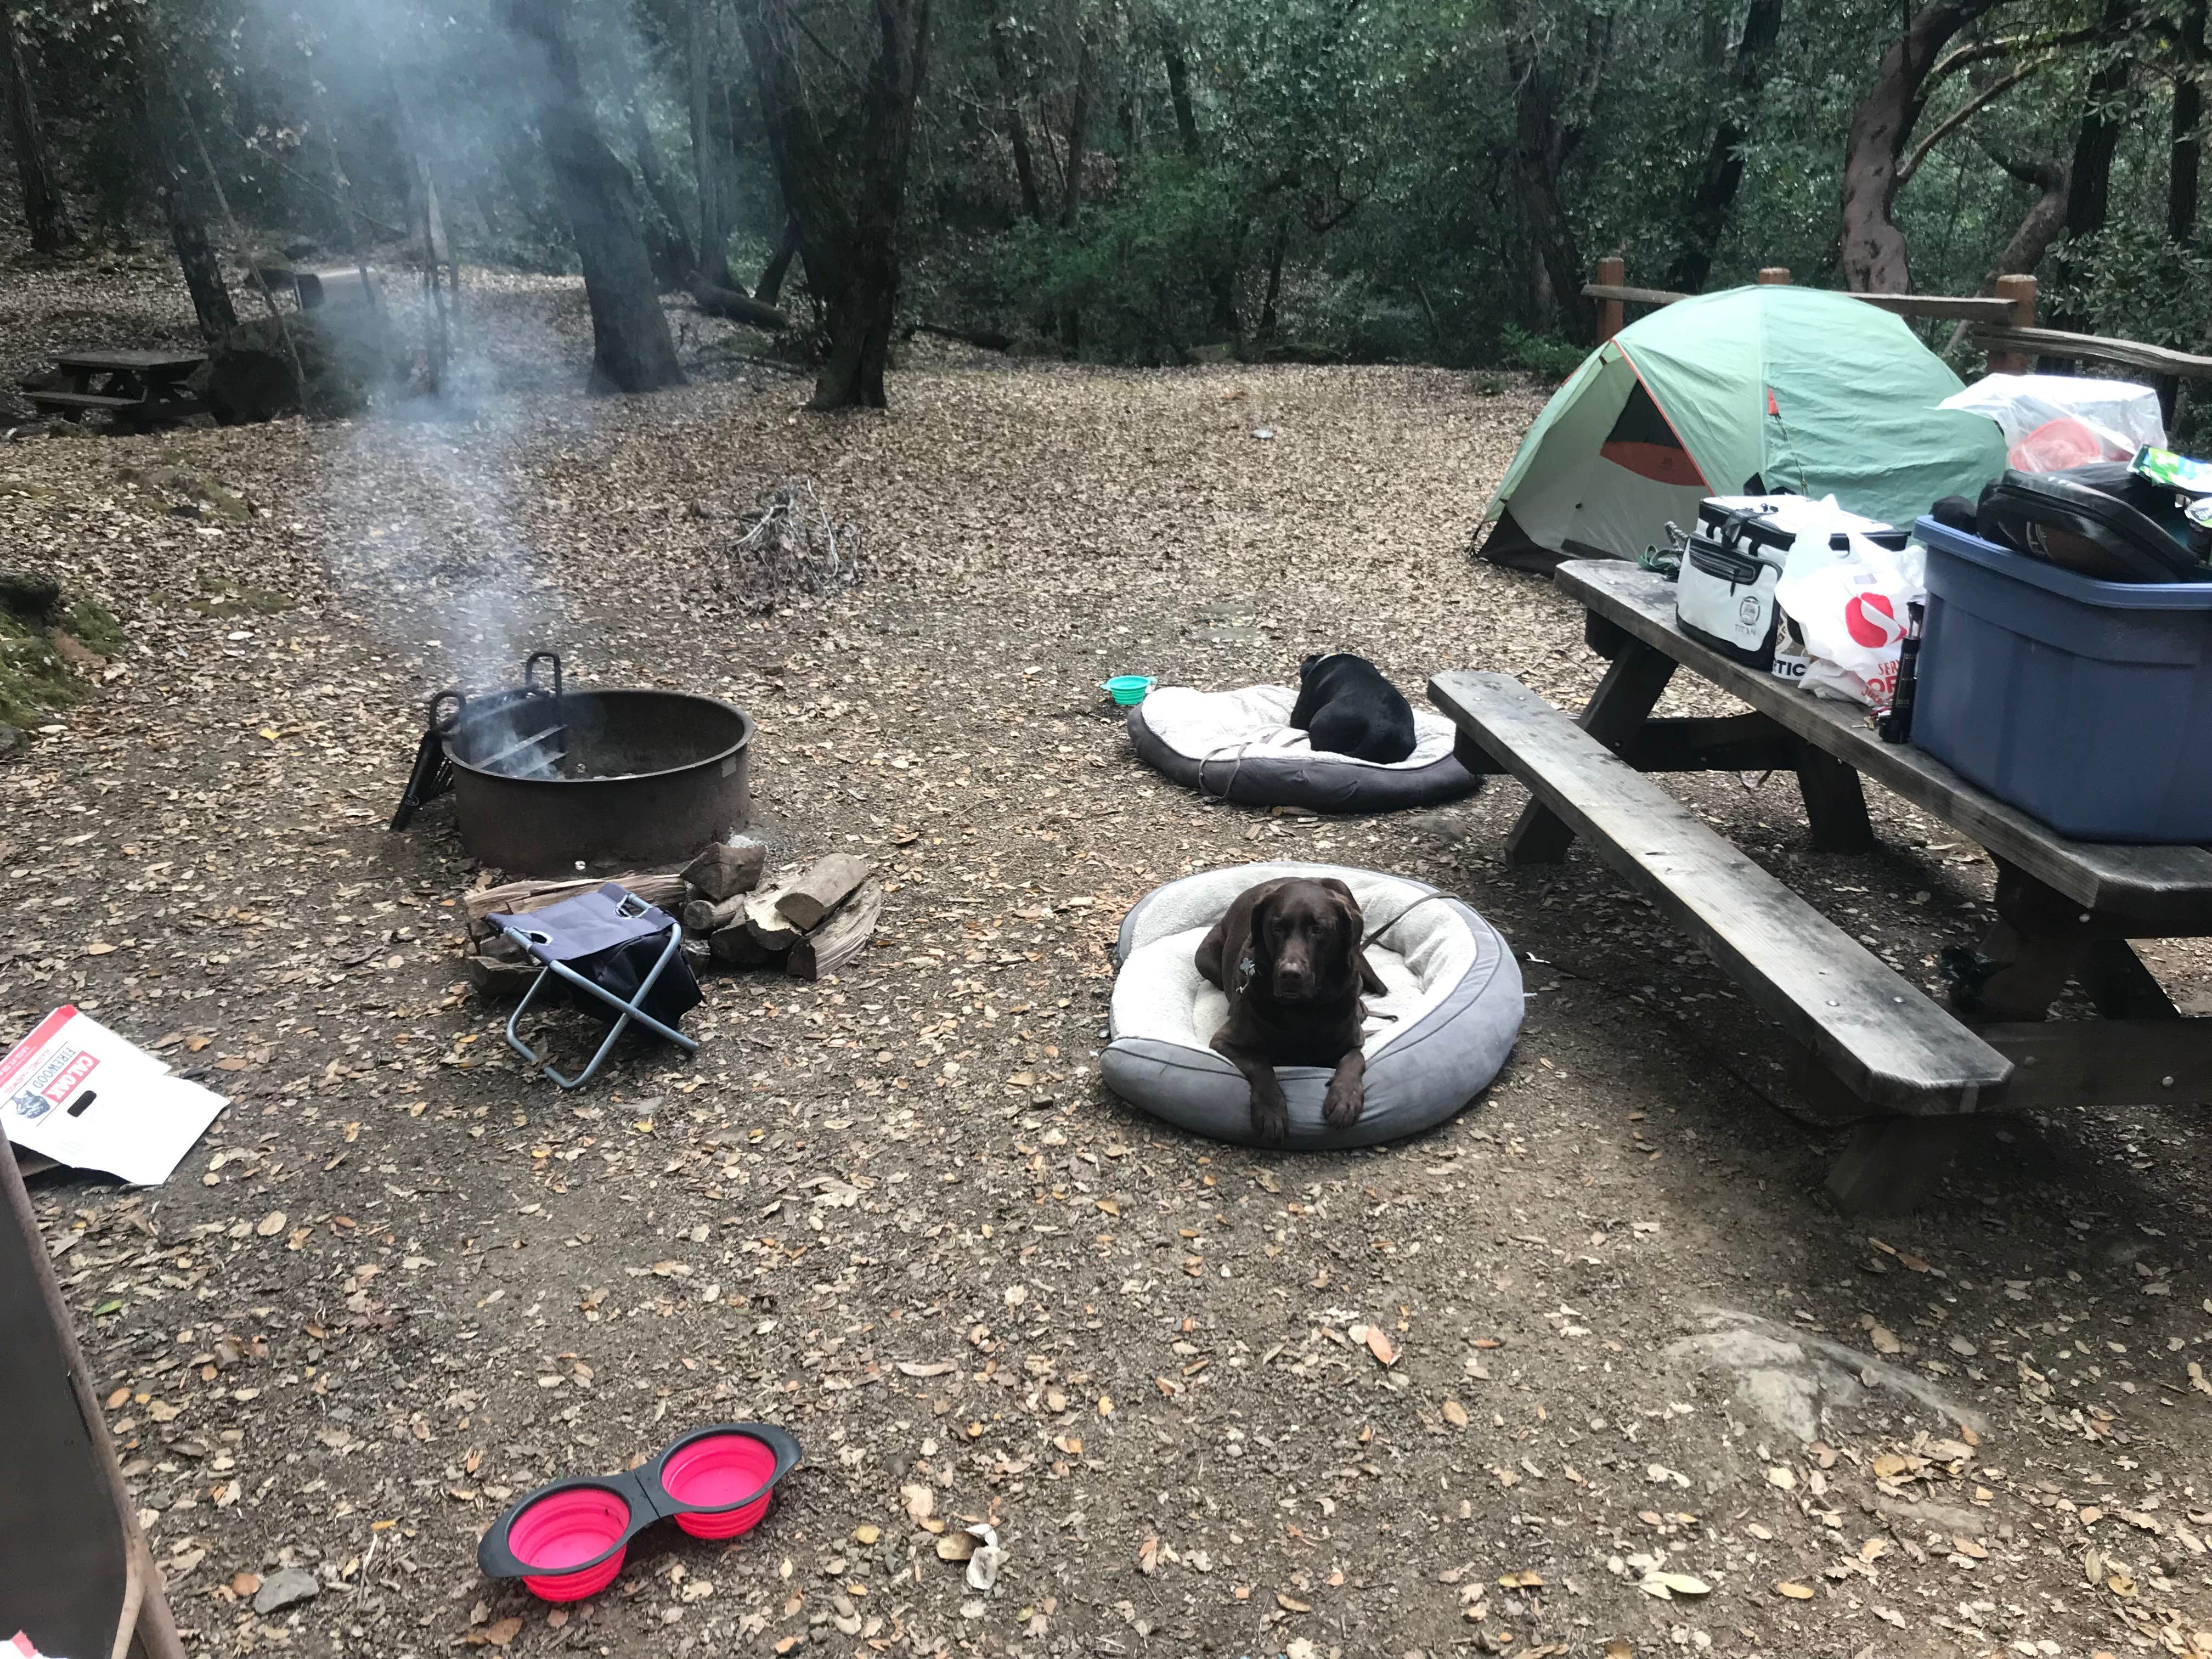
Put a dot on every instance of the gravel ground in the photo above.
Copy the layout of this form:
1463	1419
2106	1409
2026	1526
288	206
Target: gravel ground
1593	1370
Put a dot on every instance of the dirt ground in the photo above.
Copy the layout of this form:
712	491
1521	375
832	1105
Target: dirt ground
1596	1369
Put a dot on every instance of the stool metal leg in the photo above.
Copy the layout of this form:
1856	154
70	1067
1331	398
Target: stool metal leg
629	1011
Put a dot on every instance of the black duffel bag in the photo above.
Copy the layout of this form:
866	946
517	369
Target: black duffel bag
2102	520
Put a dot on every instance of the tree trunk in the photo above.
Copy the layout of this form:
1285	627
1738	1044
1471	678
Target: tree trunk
2185	150
668	244
1017	134
2042	224
1714	197
1179	95
182	205
1541	143
846	201
631	347
707	158
44	211
1873	248
1267	321
2088	202
1070	196
770	289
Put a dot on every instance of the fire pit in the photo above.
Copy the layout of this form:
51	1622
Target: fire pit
545	779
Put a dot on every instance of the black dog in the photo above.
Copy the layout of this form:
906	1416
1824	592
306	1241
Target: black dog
1288	957
1346	707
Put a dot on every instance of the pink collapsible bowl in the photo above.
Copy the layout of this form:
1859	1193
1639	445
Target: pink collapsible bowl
566	1531
718	1473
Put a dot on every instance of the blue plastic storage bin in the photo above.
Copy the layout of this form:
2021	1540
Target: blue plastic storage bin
2087	704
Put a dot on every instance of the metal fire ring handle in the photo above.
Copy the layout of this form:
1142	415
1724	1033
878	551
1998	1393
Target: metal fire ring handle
530	672
443	725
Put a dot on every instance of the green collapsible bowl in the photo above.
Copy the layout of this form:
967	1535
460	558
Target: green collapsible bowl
1127	689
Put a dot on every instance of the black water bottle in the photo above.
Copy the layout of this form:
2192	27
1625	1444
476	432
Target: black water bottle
1896	725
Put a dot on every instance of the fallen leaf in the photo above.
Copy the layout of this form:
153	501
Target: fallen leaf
1522	1580
1884	1341
921	1502
956	1546
1793	1590
866	1534
273	1224
1455	1413
931	1368
1379	1346
1291	1604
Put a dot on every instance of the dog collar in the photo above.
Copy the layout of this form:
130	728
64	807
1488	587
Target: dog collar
1245	970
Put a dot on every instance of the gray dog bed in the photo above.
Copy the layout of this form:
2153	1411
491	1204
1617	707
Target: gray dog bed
1454	988
1239	746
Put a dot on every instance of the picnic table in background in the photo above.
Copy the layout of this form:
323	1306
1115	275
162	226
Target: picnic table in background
1874	1049
136	389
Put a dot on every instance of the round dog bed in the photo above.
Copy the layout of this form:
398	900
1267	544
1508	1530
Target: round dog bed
1455	991
1239	746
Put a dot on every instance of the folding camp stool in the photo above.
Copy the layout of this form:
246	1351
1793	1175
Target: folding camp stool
595	927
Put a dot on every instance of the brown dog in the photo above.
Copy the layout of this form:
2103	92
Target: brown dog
1288	957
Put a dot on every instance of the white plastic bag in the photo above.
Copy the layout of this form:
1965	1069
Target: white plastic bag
2019	403
1850	604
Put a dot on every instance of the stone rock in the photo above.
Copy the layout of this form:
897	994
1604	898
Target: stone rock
1790	1379
286	1589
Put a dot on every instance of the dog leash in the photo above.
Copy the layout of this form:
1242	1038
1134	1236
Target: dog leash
1374	933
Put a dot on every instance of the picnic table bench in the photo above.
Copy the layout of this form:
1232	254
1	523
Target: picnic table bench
1873	1049
136	389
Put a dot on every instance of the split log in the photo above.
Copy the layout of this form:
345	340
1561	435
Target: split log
518	898
770	927
493	978
726	868
842	937
706	916
824	885
737	946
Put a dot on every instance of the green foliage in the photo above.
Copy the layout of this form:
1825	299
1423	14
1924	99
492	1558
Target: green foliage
1549	359
1366	162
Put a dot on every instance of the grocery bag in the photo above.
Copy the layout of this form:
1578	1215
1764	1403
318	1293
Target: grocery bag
1849	597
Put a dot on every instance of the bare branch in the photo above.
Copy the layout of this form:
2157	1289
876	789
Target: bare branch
1965	112
2004	45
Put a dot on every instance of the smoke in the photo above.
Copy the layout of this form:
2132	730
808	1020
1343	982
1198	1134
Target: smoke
427	495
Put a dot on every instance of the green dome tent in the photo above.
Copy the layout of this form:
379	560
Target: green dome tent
1750	391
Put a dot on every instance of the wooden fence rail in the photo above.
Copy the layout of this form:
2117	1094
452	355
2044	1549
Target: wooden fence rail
2003	326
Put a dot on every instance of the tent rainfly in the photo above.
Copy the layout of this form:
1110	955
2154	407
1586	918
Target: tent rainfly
1752	392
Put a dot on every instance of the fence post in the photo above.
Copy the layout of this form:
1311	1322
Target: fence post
2018	292
1774	276
1611	272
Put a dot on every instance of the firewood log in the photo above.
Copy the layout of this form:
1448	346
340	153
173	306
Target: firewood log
842	937
518	898
726	869
821	888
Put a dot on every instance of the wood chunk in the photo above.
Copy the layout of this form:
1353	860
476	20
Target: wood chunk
826	883
706	916
492	978
726	869
767	924
519	897
842	937
736	946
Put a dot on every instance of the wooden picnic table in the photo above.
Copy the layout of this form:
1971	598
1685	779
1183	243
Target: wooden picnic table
1877	1049
136	389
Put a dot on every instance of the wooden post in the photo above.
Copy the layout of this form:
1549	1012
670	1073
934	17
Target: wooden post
1774	276
2018	292
1611	272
